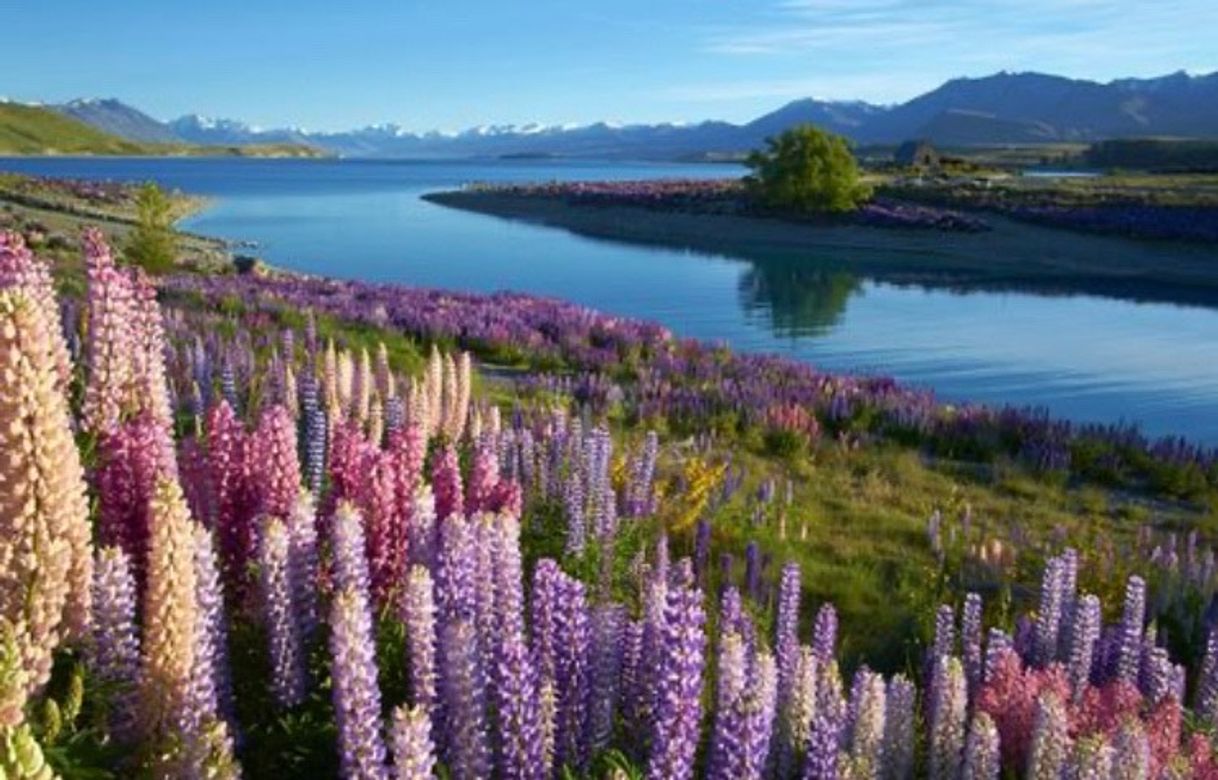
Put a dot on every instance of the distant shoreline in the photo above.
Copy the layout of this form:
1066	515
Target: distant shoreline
1014	256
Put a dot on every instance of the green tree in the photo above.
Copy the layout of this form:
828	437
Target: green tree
153	244
807	169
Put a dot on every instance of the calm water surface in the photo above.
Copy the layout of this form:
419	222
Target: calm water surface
1083	357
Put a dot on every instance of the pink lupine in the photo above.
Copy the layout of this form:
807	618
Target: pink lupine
1009	697
483	476
20	269
111	341
151	391
386	527
446	482
275	467
233	489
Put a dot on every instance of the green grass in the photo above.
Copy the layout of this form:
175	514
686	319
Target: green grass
35	130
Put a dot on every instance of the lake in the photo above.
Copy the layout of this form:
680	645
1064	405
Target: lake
1084	357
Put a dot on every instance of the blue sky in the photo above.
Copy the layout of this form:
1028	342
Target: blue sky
450	64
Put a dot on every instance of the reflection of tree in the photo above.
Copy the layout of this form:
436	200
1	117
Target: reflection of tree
800	297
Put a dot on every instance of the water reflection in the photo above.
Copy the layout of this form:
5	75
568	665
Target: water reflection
798	298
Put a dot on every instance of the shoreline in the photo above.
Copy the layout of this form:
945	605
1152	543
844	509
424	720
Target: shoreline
1014	256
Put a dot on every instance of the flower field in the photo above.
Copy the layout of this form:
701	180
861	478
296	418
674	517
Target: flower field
292	527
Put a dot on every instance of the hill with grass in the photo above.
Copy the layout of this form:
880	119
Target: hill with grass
37	130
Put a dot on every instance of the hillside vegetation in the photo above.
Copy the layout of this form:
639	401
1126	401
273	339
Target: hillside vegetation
35	130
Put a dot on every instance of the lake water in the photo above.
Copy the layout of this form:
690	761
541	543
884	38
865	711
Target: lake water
1084	357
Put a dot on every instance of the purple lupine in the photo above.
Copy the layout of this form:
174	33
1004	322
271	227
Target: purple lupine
1131	752
350	563
744	710
302	562
899	729
571	673
420	618
410	738
455	571
280	614
947	724
1157	681
1206	704
868	710
573	499
114	656
1129	654
1049	616
752	572
997	643
423	530
680	680
357	697
702	545
313	441
466	746
786	644
970	640
633	691
824	633
213	677
1084	637
1050	739
982	759
608	624
1069	589
821	762
513	675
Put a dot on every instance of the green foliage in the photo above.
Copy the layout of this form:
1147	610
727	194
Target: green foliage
152	244
808	170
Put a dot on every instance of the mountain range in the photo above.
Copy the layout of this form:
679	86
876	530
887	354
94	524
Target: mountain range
1004	108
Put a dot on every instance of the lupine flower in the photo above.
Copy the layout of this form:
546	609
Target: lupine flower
680	681
1131	752
571	645
1050	739
111	342
484	475
274	452
744	711
315	429
824	633
608	623
115	652
1130	653
982	756
280	614
233	488
899	729
44	526
1084	636
212	680
302	562
466	747
867	730
357	697
947	726
970	640
410	736
1049	617
420	615
786	642
446	483
823	747
20	269
1091	759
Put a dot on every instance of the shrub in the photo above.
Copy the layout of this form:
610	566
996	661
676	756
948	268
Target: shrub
807	169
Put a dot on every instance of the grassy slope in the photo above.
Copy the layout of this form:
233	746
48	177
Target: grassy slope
35	130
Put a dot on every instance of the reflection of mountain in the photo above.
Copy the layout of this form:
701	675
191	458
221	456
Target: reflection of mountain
797	297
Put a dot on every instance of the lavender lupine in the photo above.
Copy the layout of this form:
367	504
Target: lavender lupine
680	681
212	676
1206	704
1050	739
357	697
420	617
1131	752
572	640
1130	650
1085	634
608	623
787	656
466	746
824	747
947	726
970	640
410	738
302	562
824	633
867	731
115	652
1049	616
982	759
513	675
899	729
315	429
279	612
744	710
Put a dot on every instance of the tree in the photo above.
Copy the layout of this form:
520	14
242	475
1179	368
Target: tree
807	169
153	243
